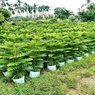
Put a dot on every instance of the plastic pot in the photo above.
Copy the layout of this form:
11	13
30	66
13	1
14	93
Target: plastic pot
41	65
92	52
7	74
34	74
51	68
86	54
1	66
79	58
61	64
70	60
19	80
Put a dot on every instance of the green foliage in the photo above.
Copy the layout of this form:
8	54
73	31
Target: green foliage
1	17
5	13
12	56
88	14
32	44
62	13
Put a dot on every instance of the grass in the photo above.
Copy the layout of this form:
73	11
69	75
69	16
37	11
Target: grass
59	82
87	90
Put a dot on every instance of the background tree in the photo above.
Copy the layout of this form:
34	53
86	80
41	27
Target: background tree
30	10
5	13
46	8
62	13
40	9
3	3
35	9
88	1
88	14
11	8
18	7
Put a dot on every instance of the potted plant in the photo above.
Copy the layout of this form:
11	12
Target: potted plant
86	54
36	54
35	72
61	60
14	57
19	78
70	59
51	65
92	51
7	74
69	56
79	57
28	68
40	63
61	64
1	66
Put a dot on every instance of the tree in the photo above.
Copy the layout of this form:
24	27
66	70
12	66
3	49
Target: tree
11	8
40	9
88	14
3	3
30	9
46	9
35	9
62	13
26	8
88	1
5	13
18	7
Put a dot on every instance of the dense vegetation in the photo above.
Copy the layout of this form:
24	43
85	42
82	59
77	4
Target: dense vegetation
36	43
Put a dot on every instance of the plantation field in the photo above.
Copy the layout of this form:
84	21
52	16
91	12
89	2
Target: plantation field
30	43
45	49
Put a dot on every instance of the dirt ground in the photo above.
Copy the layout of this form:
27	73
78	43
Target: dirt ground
85	86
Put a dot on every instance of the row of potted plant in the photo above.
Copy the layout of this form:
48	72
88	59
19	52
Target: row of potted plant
16	57
34	71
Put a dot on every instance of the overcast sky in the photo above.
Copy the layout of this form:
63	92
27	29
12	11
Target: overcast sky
72	5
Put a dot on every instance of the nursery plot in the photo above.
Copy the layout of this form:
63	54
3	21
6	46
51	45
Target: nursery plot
32	44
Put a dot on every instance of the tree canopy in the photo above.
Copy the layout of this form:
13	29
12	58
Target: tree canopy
62	13
88	14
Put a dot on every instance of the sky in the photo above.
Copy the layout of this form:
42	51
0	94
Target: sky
72	5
